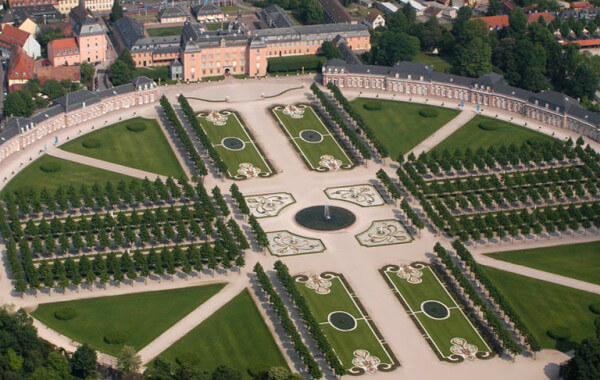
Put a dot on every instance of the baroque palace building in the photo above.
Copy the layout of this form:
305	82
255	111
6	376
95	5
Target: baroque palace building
71	110
489	91
234	50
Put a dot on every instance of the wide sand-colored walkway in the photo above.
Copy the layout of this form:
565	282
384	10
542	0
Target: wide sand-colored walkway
442	133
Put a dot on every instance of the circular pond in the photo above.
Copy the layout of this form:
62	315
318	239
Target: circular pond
311	136
435	310
322	218
342	321
233	143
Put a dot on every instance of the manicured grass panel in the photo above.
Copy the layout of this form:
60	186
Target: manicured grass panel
580	261
233	158
471	135
313	151
439	64
144	316
399	126
146	150
168	31
235	335
343	342
70	173
440	331
543	305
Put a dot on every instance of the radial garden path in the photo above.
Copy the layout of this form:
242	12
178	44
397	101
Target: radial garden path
442	133
103	164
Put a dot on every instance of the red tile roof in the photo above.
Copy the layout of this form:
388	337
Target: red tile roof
21	65
11	36
43	73
501	21
585	43
63	44
535	17
372	16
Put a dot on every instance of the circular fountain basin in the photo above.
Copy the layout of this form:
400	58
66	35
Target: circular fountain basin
314	218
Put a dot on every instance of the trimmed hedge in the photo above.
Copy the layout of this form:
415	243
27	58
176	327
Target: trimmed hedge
488	125
372	105
91	143
296	63
116	336
50	167
559	333
65	313
428	112
137	127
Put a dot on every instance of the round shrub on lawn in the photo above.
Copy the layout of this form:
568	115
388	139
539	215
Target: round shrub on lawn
136	127
595	308
428	112
50	167
91	143
559	333
372	106
488	125
116	336
65	313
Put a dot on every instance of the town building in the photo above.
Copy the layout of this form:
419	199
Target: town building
98	5
20	67
64	52
276	17
29	26
488	91
45	73
127	32
208	12
335	11
65	6
89	45
579	14
71	110
502	21
374	20
172	15
11	36
26	3
386	7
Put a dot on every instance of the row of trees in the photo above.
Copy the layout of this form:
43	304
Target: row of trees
239	199
335	115
500	331
183	136
312	325
379	147
286	322
494	294
201	135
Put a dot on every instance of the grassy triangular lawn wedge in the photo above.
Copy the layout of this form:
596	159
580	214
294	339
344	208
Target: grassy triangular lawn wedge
235	335
132	319
52	173
544	306
138	143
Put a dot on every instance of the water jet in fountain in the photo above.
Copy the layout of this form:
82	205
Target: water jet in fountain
325	218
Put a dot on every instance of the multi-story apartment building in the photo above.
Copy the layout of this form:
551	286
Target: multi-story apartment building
65	6
488	91
71	110
98	5
25	3
89	45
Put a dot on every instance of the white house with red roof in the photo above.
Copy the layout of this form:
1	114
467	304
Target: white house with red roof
11	36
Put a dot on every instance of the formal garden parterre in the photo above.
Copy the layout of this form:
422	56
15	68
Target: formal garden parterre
311	138
432	307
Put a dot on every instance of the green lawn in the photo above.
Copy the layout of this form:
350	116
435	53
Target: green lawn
580	261
143	316
159	74
162	32
399	126
439	64
233	158
472	136
344	343
441	332
70	173
214	26
146	150
235	335
543	305
312	152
